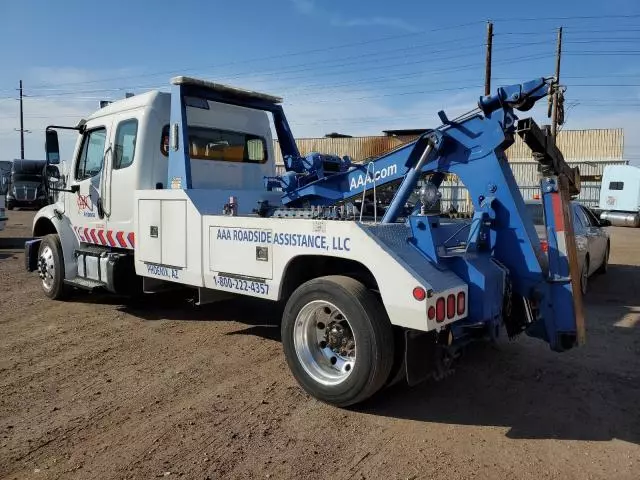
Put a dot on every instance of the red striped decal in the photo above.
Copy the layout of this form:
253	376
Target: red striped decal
86	235
110	238
120	238
558	218
93	235
131	239
101	237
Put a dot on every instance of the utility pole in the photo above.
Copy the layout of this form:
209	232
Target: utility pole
556	90
487	68
21	125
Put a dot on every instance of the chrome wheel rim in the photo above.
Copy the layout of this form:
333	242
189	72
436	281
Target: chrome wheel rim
324	343
46	268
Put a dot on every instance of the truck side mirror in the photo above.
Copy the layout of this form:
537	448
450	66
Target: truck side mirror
53	173
52	147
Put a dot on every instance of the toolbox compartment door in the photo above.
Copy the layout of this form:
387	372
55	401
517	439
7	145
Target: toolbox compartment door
241	251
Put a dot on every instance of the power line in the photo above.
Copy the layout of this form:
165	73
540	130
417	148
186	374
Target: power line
458	67
565	18
572	30
605	53
283	55
353	44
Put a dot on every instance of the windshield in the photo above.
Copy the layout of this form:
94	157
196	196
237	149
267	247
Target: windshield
536	212
26	177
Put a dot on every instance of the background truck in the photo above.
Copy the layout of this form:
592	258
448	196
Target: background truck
4	186
27	184
620	195
5	171
178	189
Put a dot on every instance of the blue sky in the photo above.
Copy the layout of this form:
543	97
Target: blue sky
355	67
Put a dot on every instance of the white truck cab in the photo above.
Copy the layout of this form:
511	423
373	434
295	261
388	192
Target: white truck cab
123	147
620	195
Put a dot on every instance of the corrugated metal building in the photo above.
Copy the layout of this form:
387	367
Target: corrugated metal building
591	150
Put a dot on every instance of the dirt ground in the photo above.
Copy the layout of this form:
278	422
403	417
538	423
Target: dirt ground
95	389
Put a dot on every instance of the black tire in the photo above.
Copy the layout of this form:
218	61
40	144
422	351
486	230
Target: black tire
584	276
371	328
58	290
10	206
605	261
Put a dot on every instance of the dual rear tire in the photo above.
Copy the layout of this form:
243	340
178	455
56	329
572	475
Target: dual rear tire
337	340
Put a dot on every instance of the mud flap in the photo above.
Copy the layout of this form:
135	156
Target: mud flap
31	249
426	356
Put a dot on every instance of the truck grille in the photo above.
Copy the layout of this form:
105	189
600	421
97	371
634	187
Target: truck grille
27	194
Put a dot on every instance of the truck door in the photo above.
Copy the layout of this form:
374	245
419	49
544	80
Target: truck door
84	208
121	180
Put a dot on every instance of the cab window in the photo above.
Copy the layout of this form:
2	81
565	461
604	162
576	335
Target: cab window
221	145
125	145
92	154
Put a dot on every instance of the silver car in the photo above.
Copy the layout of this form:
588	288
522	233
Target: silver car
592	239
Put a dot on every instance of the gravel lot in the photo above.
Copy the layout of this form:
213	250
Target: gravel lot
92	388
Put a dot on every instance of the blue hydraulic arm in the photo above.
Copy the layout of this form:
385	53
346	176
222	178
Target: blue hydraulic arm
473	148
326	179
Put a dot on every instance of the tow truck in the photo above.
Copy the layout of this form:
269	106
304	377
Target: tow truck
179	188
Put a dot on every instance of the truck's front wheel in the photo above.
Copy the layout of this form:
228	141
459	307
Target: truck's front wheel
51	267
337	340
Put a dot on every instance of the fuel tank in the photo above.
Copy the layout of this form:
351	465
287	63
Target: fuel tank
622	219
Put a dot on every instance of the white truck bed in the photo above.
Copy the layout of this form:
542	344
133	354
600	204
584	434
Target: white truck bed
180	239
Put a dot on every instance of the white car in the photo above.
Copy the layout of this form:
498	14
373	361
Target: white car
592	239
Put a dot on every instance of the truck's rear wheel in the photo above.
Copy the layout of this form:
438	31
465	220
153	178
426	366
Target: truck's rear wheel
337	340
51	267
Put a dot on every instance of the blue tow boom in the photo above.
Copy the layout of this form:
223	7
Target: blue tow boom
543	299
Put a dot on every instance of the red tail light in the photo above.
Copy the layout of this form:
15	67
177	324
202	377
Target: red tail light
545	246
451	306
419	294
461	303
440	306
432	313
